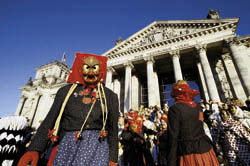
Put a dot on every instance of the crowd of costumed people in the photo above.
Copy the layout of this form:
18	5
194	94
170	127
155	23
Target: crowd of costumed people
148	135
154	133
85	128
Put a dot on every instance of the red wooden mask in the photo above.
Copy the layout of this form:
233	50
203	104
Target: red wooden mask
135	122
88	69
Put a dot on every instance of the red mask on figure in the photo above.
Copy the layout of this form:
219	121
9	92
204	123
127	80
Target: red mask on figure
88	69
135	122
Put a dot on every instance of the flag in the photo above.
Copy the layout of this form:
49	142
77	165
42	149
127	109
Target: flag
64	58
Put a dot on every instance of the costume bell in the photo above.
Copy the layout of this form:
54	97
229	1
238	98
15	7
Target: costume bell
83	120
188	145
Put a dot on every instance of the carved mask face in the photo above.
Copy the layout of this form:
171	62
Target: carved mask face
90	70
135	122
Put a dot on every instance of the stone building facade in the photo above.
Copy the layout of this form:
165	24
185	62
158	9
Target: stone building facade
206	51
38	94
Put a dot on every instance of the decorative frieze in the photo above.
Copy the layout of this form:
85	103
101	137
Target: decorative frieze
166	35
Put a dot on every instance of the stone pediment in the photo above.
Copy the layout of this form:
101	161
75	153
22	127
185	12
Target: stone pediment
164	32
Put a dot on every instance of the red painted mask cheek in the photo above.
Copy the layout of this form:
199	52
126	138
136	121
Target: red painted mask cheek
135	123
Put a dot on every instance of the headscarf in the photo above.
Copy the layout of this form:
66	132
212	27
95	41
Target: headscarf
183	93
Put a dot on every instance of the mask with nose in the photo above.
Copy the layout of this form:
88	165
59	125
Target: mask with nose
88	69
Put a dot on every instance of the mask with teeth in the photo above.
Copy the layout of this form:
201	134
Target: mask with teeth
88	69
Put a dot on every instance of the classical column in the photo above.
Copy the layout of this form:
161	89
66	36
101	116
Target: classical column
203	82
20	105
152	82
127	89
108	82
27	109
176	65
135	92
242	63
117	90
34	108
233	77
117	87
157	90
63	75
211	85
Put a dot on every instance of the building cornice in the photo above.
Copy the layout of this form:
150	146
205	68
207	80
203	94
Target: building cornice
244	40
62	65
221	25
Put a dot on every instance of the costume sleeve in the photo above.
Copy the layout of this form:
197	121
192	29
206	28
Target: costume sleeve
40	140
113	128
173	132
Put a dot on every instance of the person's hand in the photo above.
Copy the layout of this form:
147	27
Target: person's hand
28	157
111	163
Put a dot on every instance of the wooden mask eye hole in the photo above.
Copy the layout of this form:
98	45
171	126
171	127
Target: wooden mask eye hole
85	68
96	68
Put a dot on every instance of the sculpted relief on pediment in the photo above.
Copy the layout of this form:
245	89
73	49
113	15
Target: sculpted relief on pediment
159	35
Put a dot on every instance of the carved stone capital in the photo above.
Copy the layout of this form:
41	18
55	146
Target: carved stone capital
226	57
201	47
129	64
175	53
37	94
149	59
247	45
111	69
23	97
230	41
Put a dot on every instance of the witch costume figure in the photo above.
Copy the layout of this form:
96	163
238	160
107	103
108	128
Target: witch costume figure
83	120
188	145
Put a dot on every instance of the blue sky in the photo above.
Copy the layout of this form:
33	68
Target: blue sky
37	32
